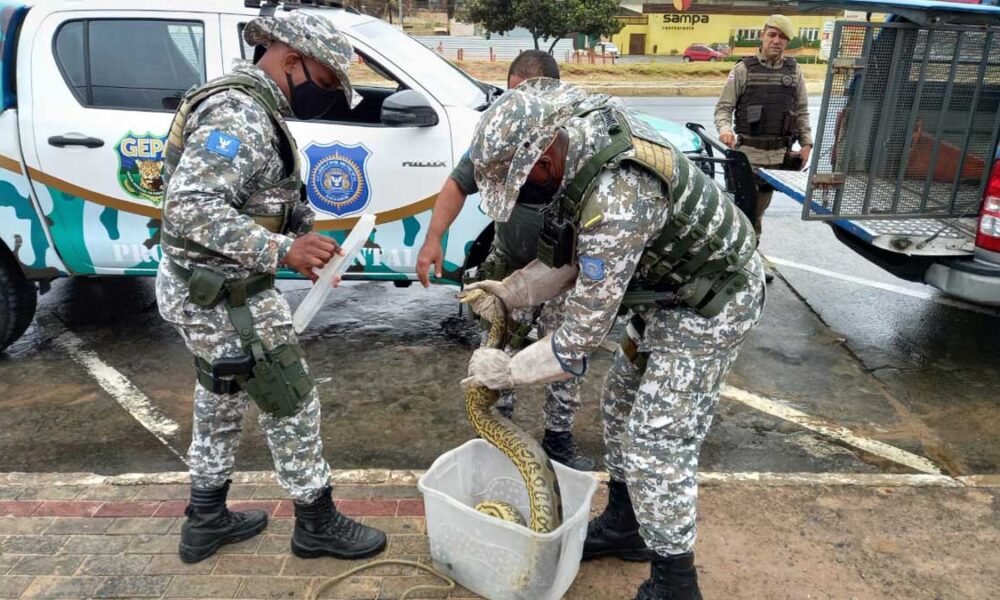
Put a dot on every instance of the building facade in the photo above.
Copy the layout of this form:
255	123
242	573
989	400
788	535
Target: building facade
669	28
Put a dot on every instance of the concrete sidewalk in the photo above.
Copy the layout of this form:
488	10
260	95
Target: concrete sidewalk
67	536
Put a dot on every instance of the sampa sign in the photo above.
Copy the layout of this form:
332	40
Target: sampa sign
671	21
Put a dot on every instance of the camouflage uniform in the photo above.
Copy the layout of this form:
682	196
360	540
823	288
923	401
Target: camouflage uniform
231	153
562	399
657	414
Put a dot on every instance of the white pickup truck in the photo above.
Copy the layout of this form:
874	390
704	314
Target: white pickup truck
87	92
906	167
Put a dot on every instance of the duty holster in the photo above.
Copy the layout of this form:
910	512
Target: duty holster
275	379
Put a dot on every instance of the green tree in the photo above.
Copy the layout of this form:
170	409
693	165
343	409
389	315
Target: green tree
596	18
496	16
546	19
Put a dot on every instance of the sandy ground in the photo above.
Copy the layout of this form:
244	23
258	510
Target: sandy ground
832	542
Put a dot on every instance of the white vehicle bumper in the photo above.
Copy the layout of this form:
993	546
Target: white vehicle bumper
970	280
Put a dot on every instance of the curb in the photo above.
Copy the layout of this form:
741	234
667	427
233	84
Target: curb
388	477
664	89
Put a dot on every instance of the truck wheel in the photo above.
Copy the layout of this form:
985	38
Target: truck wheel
18	300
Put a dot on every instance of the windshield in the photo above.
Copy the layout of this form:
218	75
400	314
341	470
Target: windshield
449	84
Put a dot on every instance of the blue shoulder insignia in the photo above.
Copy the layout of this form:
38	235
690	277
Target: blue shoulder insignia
223	144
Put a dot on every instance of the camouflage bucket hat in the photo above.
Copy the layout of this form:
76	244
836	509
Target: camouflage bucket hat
314	37
510	138
553	91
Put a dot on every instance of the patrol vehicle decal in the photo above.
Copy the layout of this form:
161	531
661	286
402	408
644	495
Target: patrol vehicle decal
101	234
338	178
140	162
10	165
23	231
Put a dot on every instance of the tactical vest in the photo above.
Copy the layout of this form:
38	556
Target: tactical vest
289	187
517	239
765	111
677	262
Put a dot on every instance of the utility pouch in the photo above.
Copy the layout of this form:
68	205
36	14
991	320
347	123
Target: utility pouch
280	384
557	242
206	287
710	295
237	366
790	124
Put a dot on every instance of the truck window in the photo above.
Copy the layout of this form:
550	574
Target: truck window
131	63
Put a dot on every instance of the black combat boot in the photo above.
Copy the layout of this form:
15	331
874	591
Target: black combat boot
671	578
616	532
210	524
561	447
320	530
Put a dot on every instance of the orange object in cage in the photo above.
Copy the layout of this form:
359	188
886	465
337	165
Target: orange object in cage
948	160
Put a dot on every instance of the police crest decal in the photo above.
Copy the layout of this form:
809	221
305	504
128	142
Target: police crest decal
140	166
338	183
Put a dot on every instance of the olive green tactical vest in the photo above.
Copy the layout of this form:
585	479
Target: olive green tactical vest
234	81
517	239
682	253
290	187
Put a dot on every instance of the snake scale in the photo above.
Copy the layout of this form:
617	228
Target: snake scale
524	451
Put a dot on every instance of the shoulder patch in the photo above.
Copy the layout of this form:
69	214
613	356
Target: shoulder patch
592	267
223	144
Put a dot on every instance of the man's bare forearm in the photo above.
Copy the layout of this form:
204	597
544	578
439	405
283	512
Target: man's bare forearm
449	203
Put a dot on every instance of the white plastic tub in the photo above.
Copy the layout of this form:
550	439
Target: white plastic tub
496	559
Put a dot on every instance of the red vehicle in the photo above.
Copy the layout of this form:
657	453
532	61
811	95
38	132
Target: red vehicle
702	52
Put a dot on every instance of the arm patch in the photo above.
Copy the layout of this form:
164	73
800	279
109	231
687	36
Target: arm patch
223	144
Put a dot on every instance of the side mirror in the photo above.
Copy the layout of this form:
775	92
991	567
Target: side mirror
408	108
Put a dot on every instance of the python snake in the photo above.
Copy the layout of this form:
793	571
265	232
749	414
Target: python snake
534	466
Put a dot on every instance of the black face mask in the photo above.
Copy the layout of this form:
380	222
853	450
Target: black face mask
310	101
537	193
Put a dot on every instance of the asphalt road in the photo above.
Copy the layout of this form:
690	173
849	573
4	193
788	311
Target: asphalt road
851	371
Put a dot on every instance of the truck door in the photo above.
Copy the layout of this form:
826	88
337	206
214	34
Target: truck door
103	89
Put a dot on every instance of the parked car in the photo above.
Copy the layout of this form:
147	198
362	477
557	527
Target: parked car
723	49
608	48
696	52
87	92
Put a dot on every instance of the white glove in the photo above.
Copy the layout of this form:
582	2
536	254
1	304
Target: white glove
489	367
537	364
531	285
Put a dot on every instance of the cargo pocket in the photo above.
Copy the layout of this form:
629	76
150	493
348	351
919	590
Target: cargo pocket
677	397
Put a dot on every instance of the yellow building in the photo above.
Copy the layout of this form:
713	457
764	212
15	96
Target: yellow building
667	29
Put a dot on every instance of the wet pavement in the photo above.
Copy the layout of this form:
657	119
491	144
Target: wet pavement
908	371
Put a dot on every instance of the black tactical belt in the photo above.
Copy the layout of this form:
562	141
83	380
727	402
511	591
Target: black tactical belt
238	290
209	382
766	143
